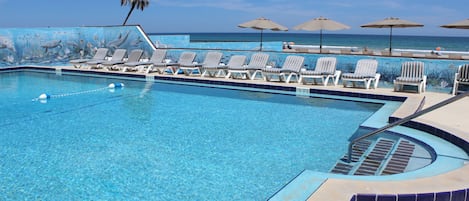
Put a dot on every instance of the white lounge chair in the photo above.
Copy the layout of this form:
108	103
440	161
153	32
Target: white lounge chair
257	62
216	71
461	77
365	72
156	58
325	69
134	56
100	55
186	58
291	67
117	56
212	59
412	73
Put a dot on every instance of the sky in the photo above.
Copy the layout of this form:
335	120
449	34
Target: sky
199	16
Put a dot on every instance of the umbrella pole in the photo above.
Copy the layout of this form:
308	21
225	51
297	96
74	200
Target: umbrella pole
261	38
390	42
320	41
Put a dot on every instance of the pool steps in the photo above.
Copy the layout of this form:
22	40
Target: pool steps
381	157
399	159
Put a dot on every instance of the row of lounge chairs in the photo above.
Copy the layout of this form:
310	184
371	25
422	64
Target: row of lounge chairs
412	72
117	60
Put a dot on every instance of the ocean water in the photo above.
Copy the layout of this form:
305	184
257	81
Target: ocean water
355	40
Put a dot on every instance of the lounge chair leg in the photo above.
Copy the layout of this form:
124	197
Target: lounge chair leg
396	87
377	80
336	77
253	76
248	76
455	88
325	81
367	83
219	73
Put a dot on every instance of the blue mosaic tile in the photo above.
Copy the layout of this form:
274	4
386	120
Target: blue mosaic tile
426	197
443	196
386	198
366	197
406	197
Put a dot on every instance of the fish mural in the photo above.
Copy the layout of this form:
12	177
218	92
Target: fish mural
51	45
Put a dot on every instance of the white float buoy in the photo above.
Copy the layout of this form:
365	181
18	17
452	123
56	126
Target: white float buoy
44	97
116	85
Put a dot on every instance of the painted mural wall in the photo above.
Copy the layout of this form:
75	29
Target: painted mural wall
56	46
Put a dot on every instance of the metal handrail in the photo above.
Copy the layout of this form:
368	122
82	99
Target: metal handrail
404	120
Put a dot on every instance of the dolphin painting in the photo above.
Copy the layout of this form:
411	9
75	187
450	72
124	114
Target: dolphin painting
136	42
52	44
119	41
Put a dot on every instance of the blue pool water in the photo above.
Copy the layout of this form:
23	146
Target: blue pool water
161	141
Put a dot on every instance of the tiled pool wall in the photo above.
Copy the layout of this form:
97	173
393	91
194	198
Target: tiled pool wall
463	144
457	195
56	46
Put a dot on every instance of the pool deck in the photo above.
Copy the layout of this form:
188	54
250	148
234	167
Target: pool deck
452	118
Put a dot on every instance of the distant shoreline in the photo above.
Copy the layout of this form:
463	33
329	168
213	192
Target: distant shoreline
365	41
299	33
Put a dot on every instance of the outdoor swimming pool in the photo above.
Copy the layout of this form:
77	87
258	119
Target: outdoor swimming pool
162	141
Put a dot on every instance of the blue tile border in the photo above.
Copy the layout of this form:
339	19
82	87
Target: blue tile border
358	95
456	195
463	144
218	82
226	83
406	197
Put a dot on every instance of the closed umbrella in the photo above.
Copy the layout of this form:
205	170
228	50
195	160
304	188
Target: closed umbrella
464	24
391	22
262	24
321	23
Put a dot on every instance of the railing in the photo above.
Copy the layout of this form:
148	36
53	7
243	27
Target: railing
403	120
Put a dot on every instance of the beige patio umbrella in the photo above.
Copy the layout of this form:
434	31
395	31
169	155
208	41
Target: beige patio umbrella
321	23
464	24
262	24
391	22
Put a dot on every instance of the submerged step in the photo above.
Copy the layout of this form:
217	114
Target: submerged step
399	158
376	157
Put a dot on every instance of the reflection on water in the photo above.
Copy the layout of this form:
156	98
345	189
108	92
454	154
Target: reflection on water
140	107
